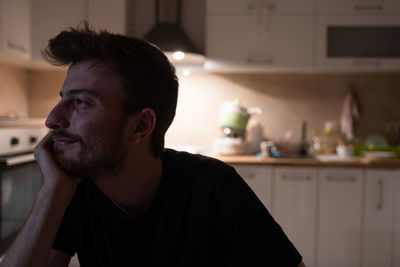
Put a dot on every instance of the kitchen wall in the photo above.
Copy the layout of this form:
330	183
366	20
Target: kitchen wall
285	98
13	91
44	89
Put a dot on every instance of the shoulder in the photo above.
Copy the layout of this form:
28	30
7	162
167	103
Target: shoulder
197	174
194	165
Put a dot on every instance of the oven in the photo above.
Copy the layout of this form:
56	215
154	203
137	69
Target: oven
20	179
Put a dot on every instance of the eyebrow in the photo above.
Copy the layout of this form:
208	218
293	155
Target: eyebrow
80	91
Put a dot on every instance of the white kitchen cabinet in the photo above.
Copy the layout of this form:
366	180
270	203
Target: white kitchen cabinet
340	214
294	204
109	15
378	218
358	7
15	27
50	17
358	43
249	6
259	180
259	41
396	222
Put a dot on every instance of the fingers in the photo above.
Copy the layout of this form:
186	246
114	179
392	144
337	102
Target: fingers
51	170
43	148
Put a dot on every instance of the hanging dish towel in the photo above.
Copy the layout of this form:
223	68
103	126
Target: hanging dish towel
350	113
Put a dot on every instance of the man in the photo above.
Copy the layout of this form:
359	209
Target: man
113	195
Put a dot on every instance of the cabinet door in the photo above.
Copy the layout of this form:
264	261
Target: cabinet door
109	15
358	7
358	43
249	6
378	218
396	221
339	226
260	41
259	180
50	17
294	204
16	27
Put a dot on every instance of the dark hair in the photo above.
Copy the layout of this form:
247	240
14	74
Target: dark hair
147	76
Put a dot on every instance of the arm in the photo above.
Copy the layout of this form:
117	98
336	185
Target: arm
33	246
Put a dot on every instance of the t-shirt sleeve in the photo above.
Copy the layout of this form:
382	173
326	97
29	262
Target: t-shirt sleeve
64	240
252	237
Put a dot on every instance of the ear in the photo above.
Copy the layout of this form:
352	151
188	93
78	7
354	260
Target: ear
146	122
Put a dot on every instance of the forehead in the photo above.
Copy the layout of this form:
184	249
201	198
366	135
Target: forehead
93	76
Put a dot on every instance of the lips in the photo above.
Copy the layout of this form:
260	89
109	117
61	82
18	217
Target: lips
61	141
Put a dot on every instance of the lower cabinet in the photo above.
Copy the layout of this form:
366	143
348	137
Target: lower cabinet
259	180
294	203
340	207
334	216
378	214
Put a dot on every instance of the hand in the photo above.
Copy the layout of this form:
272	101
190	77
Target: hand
52	172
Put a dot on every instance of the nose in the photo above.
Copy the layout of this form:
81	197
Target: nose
58	117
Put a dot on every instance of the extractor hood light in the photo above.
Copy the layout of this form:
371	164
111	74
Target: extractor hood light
186	72
178	55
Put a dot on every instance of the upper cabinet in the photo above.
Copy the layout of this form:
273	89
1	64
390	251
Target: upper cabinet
359	7
15	29
358	43
109	15
49	17
259	41
326	35
259	35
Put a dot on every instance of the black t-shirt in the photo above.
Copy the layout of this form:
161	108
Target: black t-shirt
204	214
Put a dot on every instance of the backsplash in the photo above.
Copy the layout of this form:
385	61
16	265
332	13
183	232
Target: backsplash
13	91
286	100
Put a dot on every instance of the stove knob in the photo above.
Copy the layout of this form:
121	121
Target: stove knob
14	141
32	139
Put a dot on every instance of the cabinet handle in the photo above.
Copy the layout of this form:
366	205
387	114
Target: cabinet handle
269	7
250	176
297	178
368	7
268	61
16	47
379	206
340	179
367	63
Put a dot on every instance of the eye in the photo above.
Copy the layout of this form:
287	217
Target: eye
78	102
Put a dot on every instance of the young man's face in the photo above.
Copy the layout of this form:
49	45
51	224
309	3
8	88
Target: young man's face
88	122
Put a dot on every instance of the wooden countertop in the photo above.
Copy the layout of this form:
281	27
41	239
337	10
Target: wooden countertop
391	163
37	122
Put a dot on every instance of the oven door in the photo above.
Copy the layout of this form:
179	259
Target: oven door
21	180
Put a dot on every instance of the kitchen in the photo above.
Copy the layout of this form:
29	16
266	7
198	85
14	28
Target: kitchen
297	88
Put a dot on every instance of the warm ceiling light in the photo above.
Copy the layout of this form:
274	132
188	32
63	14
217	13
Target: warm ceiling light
178	55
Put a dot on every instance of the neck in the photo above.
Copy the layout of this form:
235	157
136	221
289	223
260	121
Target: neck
135	187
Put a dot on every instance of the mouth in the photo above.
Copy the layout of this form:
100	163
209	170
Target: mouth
62	142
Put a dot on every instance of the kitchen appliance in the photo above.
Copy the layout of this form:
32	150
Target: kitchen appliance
232	121
358	42
168	32
20	179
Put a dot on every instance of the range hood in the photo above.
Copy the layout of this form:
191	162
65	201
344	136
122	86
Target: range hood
168	33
